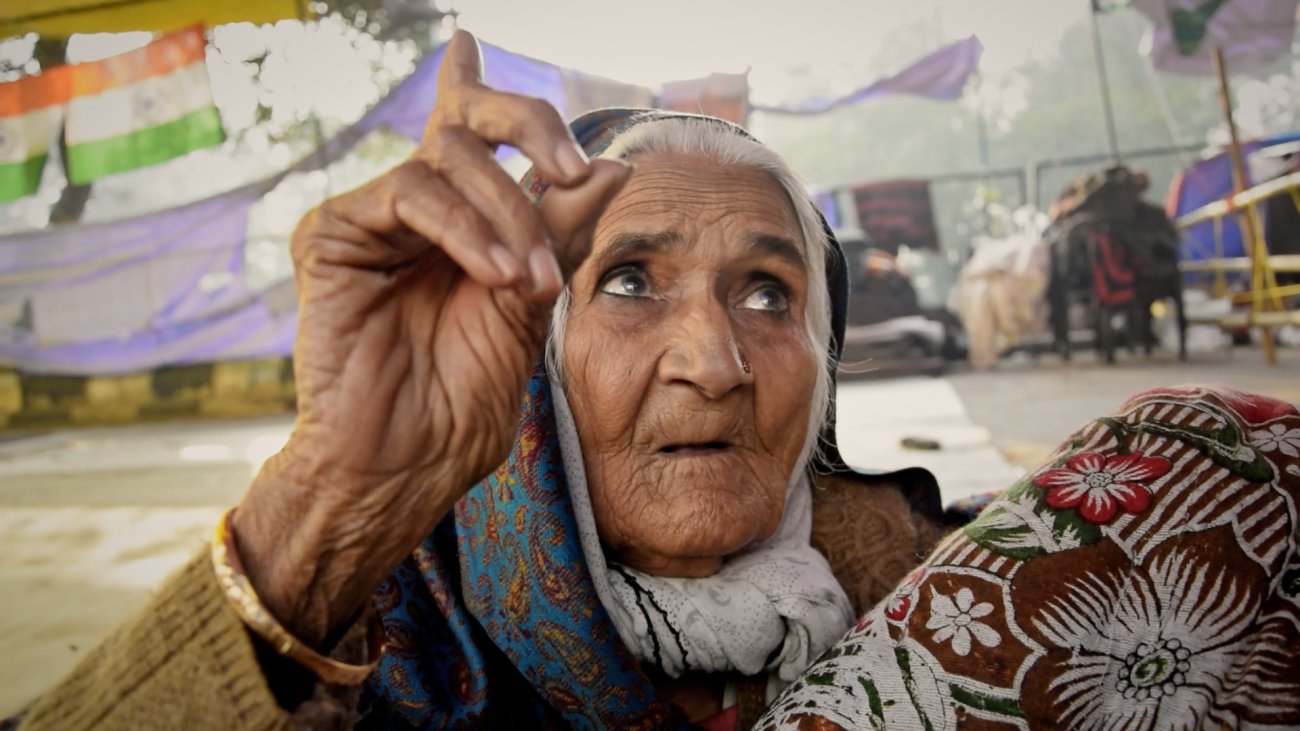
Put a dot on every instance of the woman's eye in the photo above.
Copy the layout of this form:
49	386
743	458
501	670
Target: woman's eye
768	298
625	282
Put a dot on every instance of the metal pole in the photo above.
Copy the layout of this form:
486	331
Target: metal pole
1035	171
1111	138
982	132
1250	233
981	125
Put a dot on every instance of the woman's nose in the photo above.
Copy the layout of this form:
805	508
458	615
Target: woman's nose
701	351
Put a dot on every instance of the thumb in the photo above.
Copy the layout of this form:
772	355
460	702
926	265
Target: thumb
570	214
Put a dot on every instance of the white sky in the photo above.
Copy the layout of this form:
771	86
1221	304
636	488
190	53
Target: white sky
649	43
830	42
635	41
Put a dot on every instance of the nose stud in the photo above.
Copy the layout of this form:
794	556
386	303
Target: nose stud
744	364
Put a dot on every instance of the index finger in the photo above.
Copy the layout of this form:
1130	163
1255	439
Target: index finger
462	63
532	125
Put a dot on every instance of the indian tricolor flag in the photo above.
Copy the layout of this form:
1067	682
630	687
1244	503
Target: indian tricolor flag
141	108
29	114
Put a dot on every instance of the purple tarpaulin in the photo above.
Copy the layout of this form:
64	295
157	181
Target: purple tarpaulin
255	330
133	294
1252	33
940	75
170	287
406	109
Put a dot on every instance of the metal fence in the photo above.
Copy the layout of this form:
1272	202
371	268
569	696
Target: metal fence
959	203
1050	176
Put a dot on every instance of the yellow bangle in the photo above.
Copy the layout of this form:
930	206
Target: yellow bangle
239	591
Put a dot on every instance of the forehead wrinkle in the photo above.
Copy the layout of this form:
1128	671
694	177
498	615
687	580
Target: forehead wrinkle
678	193
632	243
767	244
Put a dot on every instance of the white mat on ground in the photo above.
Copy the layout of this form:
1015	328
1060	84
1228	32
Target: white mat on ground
874	416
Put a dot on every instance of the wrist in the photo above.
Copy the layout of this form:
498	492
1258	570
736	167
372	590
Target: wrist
316	542
303	555
277	535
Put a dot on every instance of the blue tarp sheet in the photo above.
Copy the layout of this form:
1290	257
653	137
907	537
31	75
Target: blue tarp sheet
1207	181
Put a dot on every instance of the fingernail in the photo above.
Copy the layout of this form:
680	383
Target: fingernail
572	160
506	262
545	270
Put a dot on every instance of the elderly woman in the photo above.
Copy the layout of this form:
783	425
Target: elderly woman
637	550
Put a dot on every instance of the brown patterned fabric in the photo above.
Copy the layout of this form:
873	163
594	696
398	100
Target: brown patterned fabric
1146	577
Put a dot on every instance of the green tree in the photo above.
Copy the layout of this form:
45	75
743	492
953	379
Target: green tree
1051	109
1064	116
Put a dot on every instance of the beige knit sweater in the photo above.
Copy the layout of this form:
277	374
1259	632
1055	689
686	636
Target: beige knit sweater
185	662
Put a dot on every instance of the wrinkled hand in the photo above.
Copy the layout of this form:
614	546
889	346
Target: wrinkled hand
425	298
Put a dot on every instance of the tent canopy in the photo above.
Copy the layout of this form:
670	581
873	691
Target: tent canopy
60	18
1251	33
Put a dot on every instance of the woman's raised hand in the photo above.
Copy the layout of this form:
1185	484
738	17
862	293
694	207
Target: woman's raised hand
425	298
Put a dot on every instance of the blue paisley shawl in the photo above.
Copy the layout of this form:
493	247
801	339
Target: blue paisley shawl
494	620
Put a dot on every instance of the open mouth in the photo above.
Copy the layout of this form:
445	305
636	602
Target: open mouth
695	449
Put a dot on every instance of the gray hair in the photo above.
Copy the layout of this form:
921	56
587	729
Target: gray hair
701	136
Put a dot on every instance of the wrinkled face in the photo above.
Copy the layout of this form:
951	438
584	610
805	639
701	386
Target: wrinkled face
696	268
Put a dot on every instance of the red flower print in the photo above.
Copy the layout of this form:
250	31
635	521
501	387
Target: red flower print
898	604
1253	408
1099	486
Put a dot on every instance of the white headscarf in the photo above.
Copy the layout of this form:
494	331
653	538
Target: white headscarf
773	607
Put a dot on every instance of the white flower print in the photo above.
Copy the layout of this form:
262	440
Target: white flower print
1277	437
1164	636
956	621
1154	671
860	684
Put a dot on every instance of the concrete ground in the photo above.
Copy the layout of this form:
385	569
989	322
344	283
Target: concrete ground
1031	407
92	519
